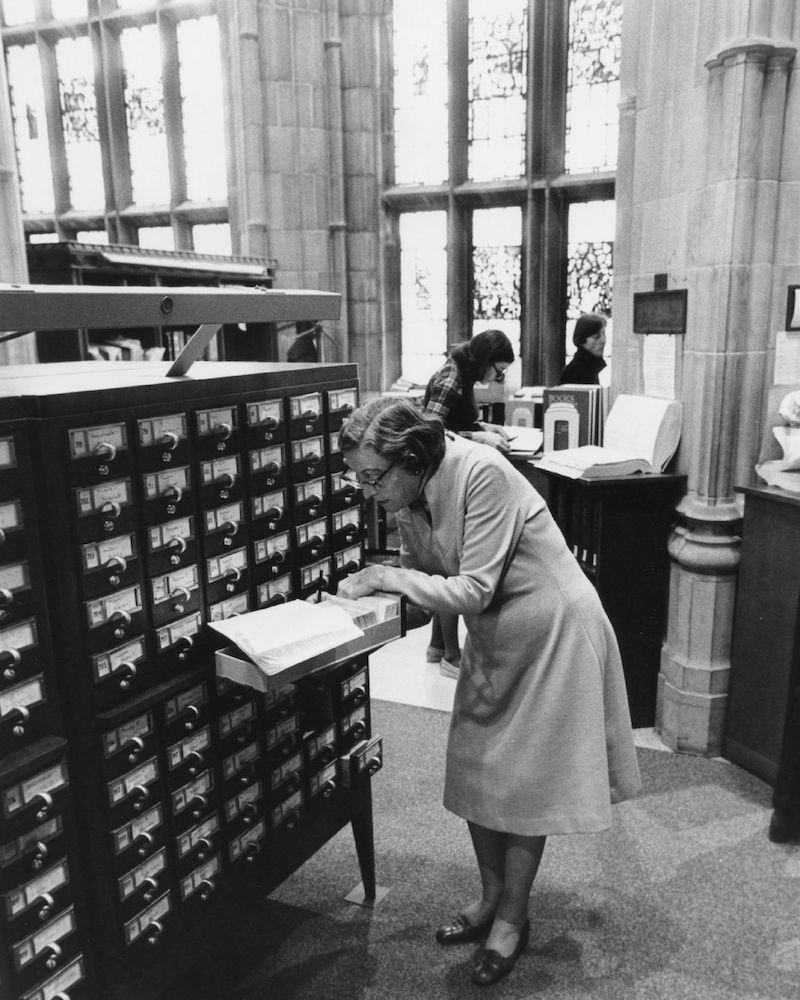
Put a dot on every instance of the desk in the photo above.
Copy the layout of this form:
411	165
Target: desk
765	632
618	531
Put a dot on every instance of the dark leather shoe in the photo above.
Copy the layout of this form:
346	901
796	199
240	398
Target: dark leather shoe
493	966
460	930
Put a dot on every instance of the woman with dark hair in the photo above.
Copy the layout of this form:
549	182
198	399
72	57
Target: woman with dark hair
589	338
450	395
540	736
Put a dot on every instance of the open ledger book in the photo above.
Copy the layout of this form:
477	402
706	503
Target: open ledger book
641	435
524	442
286	634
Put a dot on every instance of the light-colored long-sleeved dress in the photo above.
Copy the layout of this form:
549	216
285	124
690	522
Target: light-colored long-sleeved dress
540	739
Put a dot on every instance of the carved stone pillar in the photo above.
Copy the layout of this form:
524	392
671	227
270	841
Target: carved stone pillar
729	270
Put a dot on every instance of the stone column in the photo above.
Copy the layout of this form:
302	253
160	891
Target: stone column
730	274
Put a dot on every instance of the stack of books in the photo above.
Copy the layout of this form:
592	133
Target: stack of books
574	415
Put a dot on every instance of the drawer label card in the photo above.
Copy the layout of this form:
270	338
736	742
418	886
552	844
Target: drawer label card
216	421
321	741
184	628
218	468
272	505
239	716
142	921
117	739
279	774
59	984
168	586
308	405
347	556
311	531
104	497
281	587
26	951
312	490
15	576
127	834
222	517
24	896
15	849
267	411
86	441
200	876
196	743
95	555
327	776
8	454
164	431
11	515
166	482
236	605
203	831
194	696
342	399
160	535
126	602
308	449
199	787
285	728
267	459
345	518
24	695
142	776
108	663
249	797
252	836
46	782
231	562
233	764
20	636
148	869
290	805
311	575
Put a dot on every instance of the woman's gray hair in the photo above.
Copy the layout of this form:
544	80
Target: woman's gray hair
398	430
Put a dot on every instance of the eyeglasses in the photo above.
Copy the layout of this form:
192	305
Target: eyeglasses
499	374
360	480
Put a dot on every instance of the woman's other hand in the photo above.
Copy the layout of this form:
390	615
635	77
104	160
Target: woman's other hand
365	581
491	438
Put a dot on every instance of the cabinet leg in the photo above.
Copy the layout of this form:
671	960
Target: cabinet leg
365	841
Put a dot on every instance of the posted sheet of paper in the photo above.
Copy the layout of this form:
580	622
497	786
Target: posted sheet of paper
658	365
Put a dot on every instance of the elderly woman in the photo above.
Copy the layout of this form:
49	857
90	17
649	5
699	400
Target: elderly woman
540	739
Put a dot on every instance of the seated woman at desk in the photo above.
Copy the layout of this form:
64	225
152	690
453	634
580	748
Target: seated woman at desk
450	395
589	338
540	736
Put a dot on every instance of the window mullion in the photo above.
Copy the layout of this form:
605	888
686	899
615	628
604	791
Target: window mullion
459	265
113	126
55	133
173	123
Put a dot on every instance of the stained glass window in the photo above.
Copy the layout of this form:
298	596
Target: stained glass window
595	33
590	268
144	108
497	271
17	11
420	91
423	293
79	122
498	66
203	121
30	128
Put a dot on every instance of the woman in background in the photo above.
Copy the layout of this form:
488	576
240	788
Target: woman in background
589	338
450	395
540	736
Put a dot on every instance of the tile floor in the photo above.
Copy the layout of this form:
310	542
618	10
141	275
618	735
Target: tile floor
398	672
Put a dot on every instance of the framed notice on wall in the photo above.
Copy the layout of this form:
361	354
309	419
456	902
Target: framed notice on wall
660	312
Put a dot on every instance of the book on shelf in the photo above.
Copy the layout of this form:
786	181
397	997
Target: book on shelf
641	435
573	415
284	635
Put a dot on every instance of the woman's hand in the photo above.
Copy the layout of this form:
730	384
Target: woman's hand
365	581
491	438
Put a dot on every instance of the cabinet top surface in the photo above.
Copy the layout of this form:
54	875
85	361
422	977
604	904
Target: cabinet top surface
52	389
770	493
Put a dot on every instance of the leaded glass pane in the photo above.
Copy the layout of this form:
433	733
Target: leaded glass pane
17	11
68	8
92	236
497	271
423	293
595	33
144	109
156	237
590	268
498	67
212	238
420	92
30	129
79	122
203	121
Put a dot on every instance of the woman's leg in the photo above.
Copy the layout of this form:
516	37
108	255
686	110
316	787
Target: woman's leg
508	864
449	632
435	649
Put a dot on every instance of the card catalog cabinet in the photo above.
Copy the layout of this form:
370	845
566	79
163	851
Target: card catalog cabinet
139	790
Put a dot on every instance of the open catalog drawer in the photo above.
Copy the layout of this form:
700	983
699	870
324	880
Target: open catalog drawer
284	643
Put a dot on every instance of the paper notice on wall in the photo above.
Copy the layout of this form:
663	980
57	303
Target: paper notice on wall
787	357
658	365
